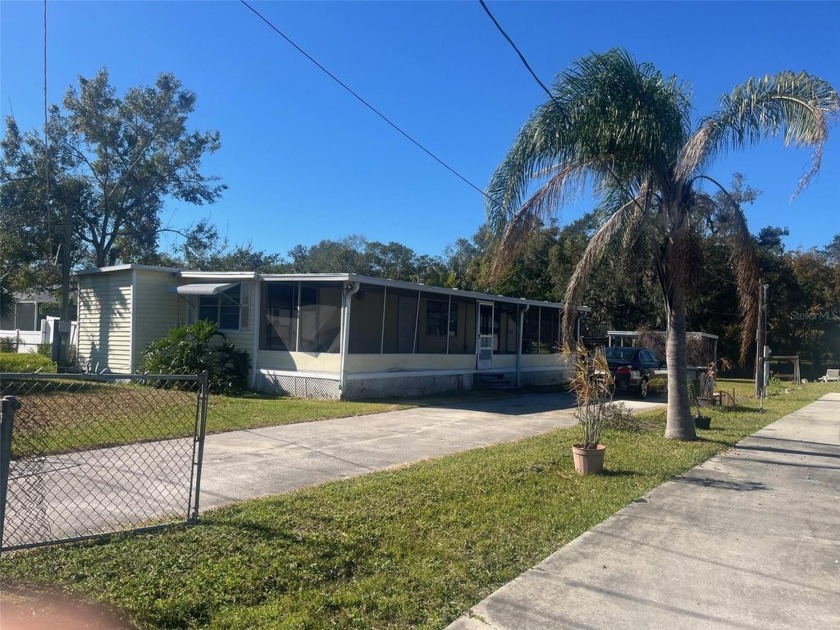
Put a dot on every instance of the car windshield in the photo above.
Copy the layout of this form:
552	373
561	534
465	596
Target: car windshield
622	354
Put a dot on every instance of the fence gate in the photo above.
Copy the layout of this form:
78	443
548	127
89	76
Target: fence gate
82	456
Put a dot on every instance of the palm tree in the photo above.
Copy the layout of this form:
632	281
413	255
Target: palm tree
627	131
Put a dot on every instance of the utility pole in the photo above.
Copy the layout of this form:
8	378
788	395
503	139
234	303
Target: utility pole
762	366
64	324
759	340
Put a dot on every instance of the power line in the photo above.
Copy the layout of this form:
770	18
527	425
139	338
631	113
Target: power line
364	102
383	116
555	101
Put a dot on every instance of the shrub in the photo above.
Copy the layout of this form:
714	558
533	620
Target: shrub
29	362
193	349
45	350
8	344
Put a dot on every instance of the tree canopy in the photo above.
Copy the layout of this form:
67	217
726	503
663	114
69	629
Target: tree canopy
628	131
110	163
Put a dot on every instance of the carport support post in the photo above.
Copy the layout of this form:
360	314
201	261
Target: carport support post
7	418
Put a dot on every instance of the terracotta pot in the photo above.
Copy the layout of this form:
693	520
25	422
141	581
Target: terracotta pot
588	461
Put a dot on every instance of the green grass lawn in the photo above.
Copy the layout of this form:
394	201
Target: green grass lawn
408	548
256	410
69	415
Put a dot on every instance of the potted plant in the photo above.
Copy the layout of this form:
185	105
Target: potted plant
700	421
593	386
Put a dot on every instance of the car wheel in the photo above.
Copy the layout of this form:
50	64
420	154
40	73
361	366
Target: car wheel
643	388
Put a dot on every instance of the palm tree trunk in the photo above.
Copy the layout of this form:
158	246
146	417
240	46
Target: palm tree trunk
680	423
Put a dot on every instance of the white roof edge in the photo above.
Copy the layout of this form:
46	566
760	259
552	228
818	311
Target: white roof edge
128	267
302	277
187	274
221	275
411	286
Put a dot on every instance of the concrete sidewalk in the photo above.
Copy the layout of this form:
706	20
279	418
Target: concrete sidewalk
749	539
262	462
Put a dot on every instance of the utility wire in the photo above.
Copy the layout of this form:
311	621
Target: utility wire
364	102
555	101
47	141
385	118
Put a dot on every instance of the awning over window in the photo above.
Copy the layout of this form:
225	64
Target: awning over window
203	288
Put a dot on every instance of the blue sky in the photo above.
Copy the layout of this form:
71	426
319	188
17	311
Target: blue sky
304	161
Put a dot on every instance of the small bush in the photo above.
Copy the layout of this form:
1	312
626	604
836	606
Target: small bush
45	350
619	417
193	349
29	362
8	344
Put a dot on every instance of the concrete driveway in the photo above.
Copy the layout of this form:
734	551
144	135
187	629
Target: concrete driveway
262	462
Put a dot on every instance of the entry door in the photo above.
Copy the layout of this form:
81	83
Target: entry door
484	347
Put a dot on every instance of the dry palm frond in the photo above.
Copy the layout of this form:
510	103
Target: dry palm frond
592	385
598	244
567	183
687	258
744	263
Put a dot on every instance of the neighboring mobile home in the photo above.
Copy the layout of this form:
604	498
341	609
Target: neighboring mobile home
325	335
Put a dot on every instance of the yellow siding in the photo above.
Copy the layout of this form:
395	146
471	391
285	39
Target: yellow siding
156	311
359	363
547	360
105	321
304	361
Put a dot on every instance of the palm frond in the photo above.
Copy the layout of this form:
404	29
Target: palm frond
800	107
565	183
621	119
615	225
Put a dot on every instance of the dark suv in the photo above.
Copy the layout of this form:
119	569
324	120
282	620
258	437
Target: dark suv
635	369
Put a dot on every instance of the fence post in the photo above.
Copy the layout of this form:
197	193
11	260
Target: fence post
7	418
199	440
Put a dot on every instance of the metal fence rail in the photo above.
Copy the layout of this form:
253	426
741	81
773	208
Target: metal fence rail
91	455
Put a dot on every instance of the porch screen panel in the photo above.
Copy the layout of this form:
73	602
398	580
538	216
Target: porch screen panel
549	330
434	323
462	333
366	320
400	321
531	332
320	317
504	328
279	329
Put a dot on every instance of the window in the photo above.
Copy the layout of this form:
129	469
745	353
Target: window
436	320
366	320
279	331
400	321
319	317
462	331
549	330
504	328
301	317
531	333
228	309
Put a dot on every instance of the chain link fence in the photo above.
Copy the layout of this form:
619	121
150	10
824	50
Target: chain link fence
82	456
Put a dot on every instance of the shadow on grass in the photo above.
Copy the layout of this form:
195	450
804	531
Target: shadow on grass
611	472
